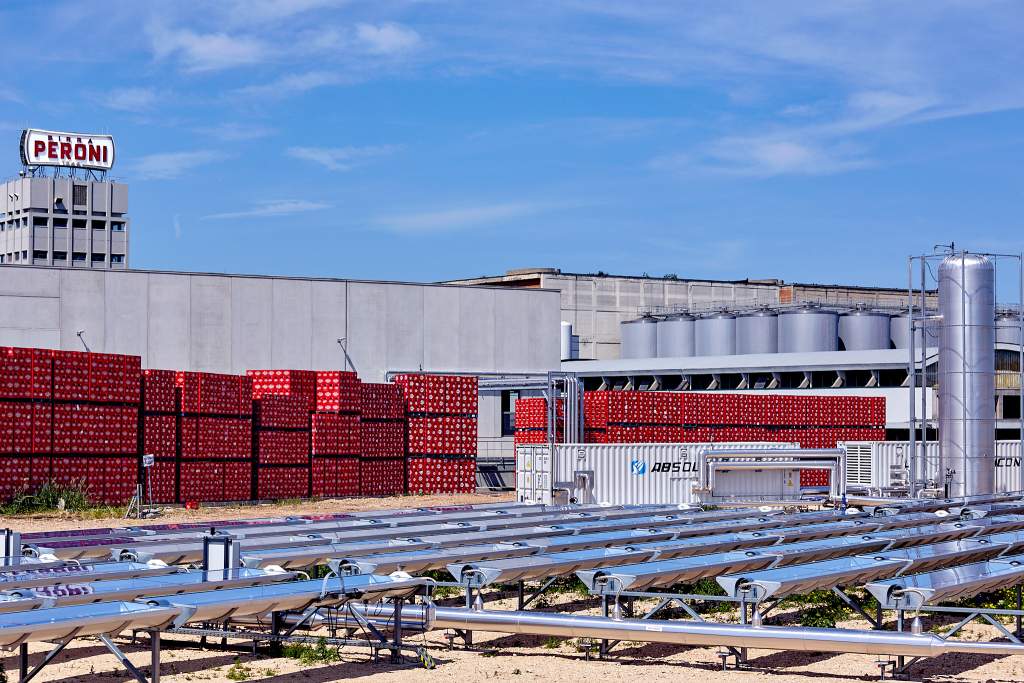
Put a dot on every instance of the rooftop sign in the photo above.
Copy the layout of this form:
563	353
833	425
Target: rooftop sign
76	150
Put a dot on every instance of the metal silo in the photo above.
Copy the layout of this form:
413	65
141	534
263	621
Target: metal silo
639	338
715	335
1008	329
862	329
675	336
808	329
967	374
900	335
757	332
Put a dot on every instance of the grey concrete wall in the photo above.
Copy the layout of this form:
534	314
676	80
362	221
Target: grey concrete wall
224	323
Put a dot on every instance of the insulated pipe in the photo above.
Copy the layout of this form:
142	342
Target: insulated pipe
693	633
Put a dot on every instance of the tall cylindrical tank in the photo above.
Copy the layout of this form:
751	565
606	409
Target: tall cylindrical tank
967	374
863	329
1008	329
639	338
900	334
807	329
757	332
565	340
715	335
675	336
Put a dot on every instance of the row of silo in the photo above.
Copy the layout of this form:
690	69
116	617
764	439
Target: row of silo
803	329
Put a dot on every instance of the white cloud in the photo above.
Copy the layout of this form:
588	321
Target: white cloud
236	132
387	39
341	158
291	84
170	165
459	218
130	99
273	207
206	51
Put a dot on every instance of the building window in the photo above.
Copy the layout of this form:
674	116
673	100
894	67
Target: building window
99	225
37	254
99	258
78	256
508	412
117	227
80	194
60	256
117	258
24	254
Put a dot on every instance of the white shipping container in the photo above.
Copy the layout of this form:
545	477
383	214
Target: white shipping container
874	463
617	474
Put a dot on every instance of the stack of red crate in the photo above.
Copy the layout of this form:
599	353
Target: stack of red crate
641	417
531	420
441	419
160	407
336	434
284	401
382	466
26	377
95	423
215	437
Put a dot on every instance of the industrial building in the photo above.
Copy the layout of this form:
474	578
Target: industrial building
596	303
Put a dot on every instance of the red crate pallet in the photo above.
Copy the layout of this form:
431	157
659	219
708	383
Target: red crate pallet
382	401
338	392
282	412
295	383
282	482
383	439
213	393
439	394
162	484
160	435
440	475
282	448
158	391
15	476
336	434
216	437
95	429
25	373
381	477
335	476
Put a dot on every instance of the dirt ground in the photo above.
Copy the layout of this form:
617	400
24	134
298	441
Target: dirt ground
494	657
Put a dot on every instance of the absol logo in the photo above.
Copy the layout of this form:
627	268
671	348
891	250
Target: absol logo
637	467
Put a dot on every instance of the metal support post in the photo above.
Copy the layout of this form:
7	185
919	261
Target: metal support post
154	656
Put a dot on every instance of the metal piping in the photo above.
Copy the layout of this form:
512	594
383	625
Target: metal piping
694	633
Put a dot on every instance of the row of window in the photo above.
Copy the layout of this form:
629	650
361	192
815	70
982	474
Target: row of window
76	257
41	222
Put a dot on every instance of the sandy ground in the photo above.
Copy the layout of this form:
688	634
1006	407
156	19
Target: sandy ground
495	656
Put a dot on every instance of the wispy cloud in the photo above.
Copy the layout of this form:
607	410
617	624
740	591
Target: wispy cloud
387	39
129	99
236	132
460	218
292	84
170	165
272	207
205	51
341	158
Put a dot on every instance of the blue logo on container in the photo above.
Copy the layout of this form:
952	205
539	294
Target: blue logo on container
638	467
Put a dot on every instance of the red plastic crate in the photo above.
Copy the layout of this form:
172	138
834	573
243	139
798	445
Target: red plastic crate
440	475
382	401
300	384
282	482
379	477
159	389
335	476
282	412
25	373
159	435
383	439
282	448
335	434
338	391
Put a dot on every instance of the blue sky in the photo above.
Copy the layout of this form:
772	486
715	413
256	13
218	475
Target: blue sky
423	140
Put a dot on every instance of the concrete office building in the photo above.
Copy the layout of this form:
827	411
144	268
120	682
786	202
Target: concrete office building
595	303
67	222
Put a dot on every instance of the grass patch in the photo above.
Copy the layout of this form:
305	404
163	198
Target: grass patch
312	654
52	497
238	672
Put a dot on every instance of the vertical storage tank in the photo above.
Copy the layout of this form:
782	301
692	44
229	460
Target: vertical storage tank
967	374
639	338
715	335
900	335
675	336
863	329
1008	329
808	329
757	332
